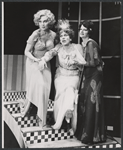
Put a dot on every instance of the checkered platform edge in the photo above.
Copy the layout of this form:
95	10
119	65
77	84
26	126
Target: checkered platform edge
114	145
46	136
14	96
27	121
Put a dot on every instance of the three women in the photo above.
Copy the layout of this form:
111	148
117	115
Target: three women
90	127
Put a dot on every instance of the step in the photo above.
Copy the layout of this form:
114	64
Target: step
58	144
74	143
31	119
26	121
33	135
11	102
13	95
13	106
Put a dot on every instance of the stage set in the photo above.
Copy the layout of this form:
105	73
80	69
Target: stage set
17	25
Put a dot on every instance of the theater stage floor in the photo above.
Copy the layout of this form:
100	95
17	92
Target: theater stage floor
71	143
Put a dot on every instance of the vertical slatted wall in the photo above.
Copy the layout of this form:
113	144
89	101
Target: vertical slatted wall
14	72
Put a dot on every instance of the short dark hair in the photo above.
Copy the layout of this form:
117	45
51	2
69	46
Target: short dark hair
87	24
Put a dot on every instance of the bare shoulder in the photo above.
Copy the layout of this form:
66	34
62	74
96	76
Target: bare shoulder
33	37
34	33
53	33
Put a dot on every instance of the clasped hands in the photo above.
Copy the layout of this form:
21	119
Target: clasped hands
41	63
74	62
70	62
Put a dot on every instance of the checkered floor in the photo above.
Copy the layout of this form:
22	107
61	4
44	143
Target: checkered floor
30	121
27	121
13	108
33	136
13	95
73	143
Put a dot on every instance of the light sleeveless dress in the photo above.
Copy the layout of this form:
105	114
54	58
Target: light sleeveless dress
38	82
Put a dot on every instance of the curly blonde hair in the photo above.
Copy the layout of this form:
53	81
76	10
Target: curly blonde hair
44	12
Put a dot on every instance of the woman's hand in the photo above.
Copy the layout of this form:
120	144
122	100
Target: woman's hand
42	65
36	59
70	62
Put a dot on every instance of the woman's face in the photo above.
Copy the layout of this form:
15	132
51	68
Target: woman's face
43	23
83	32
64	38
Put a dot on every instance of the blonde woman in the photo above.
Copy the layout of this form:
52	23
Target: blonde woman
38	81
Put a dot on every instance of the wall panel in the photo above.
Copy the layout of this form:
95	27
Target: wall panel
14	72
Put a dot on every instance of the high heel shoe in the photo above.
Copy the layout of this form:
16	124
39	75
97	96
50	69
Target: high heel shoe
68	115
24	106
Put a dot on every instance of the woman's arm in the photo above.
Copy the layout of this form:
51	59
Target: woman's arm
47	57
30	44
28	53
51	53
90	55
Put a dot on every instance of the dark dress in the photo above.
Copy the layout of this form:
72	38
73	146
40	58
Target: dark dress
91	126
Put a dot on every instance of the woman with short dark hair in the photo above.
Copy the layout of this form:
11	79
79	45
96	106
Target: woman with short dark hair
91	126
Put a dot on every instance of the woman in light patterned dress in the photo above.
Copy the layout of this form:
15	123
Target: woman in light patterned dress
38	80
67	75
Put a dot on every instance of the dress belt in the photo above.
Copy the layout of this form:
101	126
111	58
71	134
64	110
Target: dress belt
67	68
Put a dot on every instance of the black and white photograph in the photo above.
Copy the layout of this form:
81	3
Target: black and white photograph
61	74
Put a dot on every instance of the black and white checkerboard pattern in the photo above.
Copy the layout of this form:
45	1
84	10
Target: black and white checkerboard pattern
9	96
34	137
114	145
31	120
46	136
27	121
13	108
14	96
50	104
